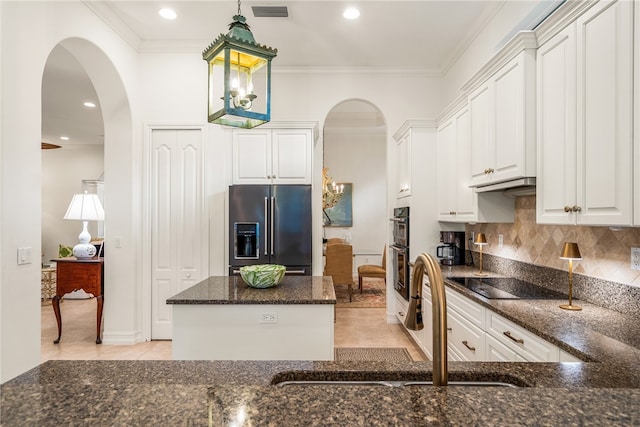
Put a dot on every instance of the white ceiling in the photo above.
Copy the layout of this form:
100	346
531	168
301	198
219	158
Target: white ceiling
422	35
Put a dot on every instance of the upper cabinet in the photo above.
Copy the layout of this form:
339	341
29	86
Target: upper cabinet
585	119
273	155
403	164
502	120
457	202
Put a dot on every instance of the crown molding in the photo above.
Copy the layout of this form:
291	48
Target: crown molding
414	124
112	20
564	15
524	40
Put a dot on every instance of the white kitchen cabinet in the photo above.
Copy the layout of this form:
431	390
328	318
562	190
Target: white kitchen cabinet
272	156
464	338
585	122
413	146
427	316
502	123
457	201
523	343
403	165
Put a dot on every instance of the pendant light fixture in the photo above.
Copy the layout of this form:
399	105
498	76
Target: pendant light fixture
239	77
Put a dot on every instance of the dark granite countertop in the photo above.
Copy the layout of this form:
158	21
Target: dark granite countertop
233	290
593	334
242	393
602	392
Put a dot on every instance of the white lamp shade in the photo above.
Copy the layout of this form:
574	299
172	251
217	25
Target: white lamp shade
85	207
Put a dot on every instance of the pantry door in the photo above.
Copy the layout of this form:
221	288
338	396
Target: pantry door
178	223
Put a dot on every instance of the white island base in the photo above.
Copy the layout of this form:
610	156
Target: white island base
253	332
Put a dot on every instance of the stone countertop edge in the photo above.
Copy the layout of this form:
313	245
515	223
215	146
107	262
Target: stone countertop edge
225	290
594	334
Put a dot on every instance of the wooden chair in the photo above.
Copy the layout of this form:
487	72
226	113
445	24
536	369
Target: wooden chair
339	265
334	240
370	270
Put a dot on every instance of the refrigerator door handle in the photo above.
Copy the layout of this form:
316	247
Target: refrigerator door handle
273	202
265	231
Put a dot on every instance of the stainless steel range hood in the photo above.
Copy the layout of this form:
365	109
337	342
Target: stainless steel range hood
517	187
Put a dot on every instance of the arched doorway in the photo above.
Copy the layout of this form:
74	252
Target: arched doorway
355	135
114	127
355	153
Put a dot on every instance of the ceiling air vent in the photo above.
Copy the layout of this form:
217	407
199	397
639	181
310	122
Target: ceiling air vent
270	11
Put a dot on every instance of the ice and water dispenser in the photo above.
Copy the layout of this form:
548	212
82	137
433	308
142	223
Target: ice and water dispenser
246	238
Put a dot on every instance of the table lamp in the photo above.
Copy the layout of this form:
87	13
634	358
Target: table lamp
480	241
570	252
85	207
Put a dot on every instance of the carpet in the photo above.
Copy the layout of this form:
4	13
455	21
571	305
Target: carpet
392	354
373	295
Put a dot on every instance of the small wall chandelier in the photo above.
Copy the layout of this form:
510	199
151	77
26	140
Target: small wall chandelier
239	77
331	193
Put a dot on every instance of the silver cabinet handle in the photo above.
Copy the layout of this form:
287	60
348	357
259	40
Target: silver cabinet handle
294	272
511	337
466	344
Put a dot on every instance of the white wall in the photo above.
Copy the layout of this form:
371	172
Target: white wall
29	31
62	173
361	160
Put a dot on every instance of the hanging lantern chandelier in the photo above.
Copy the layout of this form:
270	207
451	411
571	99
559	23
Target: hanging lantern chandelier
239	77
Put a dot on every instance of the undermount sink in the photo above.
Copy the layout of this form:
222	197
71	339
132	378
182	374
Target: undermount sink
398	383
394	379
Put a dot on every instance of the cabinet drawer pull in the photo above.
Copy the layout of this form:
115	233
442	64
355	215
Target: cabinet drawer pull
466	344
576	208
567	208
511	337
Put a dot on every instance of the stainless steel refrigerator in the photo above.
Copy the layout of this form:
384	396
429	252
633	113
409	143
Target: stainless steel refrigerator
270	224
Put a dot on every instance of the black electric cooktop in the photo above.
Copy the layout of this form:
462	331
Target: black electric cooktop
506	288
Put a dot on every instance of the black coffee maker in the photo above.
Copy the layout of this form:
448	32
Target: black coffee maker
452	252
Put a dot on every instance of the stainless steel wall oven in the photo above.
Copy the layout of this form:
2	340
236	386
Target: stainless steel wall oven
400	251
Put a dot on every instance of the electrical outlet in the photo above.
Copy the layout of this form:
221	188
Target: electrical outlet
500	240
269	318
635	258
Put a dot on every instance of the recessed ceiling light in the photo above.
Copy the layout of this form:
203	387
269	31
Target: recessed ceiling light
167	13
89	104
64	138
351	13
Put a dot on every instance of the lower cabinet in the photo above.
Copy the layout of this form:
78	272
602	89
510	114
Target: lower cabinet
475	333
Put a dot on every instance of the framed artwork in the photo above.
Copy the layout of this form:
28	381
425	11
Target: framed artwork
341	215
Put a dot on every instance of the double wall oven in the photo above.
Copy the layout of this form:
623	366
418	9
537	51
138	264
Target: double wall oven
400	251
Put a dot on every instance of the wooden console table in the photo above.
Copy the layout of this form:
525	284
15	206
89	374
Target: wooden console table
73	274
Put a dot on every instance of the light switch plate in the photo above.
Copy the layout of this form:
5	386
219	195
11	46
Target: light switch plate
24	256
635	258
500	240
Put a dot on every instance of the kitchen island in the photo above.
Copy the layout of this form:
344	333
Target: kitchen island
221	318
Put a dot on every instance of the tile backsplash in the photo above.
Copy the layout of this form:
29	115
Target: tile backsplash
606	254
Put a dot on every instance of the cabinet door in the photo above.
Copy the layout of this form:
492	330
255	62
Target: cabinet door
403	165
252	157
466	339
466	197
481	131
291	156
556	117
514	128
605	114
447	171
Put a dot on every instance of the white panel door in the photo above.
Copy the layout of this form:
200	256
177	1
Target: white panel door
179	232
556	136
481	134
605	114
447	171
291	156
252	157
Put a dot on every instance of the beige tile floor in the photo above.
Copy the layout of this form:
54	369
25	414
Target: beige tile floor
355	327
